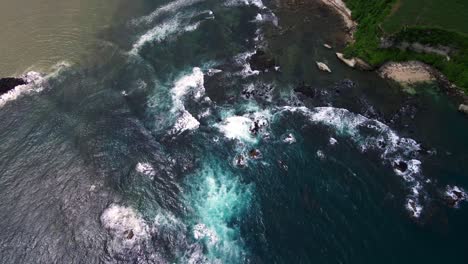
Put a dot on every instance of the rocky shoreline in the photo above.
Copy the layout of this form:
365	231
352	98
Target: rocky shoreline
405	73
13	87
340	7
9	83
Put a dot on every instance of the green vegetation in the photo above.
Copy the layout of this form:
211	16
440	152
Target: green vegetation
445	14
375	17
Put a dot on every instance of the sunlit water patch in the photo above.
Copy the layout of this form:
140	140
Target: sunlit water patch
219	200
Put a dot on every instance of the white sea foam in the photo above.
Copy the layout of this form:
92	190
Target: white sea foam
219	198
373	134
414	207
320	154
259	17
146	169
245	128
205	113
264	17
176	25
192	27
332	141
456	195
237	127
157	33
212	72
414	168
289	138
185	122
127	228
171	7
368	133
192	83
33	84
257	3
242	60
201	231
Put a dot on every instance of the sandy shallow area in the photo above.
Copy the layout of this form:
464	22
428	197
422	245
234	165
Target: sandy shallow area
406	73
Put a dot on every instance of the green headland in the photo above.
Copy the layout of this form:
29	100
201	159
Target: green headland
386	28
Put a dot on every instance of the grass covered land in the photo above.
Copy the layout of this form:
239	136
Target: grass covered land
429	22
446	14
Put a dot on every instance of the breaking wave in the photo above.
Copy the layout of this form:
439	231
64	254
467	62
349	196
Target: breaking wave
171	7
219	200
370	134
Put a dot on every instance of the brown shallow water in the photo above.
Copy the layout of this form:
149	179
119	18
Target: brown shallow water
36	35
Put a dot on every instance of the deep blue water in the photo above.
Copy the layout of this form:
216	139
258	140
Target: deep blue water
166	147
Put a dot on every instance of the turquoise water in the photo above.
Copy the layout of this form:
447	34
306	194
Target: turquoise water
166	146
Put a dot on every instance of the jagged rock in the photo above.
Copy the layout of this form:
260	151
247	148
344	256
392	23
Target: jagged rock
463	108
7	84
255	154
306	90
323	67
129	234
355	62
258	91
260	61
283	165
289	139
240	161
258	125
350	62
400	165
455	195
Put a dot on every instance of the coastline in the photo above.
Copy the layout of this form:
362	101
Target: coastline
405	73
340	7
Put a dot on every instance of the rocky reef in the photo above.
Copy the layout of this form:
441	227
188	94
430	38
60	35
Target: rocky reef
7	84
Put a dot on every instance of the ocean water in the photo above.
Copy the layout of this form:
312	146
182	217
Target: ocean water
36	35
164	145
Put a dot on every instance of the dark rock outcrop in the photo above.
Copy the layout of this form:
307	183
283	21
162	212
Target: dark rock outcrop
260	61
400	165
255	154
463	108
7	84
306	90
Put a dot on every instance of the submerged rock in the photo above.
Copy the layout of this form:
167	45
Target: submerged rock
129	234
455	195
258	91
260	61
323	67
463	108
306	90
320	154
289	139
258	125
255	154
7	84
400	165
240	161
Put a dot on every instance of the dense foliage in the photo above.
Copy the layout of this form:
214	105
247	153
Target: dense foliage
370	15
